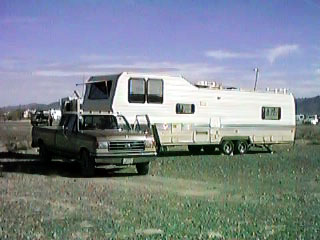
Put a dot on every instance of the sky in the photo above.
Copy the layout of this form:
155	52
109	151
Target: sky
47	47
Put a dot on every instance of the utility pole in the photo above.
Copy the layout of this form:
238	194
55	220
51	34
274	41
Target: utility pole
257	74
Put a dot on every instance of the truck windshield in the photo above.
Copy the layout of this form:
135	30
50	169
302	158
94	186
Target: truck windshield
103	122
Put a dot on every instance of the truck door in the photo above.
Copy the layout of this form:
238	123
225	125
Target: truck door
67	135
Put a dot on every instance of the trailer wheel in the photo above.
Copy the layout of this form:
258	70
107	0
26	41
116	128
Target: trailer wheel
227	147
194	149
87	164
241	147
143	168
43	153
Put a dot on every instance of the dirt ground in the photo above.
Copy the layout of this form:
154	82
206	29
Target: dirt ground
255	196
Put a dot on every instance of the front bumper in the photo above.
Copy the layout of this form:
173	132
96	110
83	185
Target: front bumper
128	158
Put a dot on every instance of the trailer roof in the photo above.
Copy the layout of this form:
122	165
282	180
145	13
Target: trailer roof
161	75
103	77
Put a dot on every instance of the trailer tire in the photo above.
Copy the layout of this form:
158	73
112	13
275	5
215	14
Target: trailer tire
143	168
44	153
241	147
227	147
194	149
87	164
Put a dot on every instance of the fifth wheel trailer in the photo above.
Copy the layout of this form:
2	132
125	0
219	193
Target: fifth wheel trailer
201	116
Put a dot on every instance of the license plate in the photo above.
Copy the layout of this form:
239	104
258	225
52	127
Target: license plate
127	160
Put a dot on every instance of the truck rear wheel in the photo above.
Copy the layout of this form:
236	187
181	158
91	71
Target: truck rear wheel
227	147
241	147
43	153
143	168
87	164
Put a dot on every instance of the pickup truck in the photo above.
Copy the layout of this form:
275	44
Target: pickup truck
96	138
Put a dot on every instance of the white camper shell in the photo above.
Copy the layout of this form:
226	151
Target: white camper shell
200	115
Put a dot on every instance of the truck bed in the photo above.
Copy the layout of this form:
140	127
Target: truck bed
46	134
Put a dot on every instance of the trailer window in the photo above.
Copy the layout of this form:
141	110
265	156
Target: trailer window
182	108
137	89
271	113
100	90
155	91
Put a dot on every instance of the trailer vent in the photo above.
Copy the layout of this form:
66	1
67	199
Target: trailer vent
126	146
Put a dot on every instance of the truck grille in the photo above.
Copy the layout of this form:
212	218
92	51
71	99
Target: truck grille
127	146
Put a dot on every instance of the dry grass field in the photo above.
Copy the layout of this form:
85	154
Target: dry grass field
255	196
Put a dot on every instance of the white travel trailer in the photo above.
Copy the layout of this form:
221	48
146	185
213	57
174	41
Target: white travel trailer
55	114
311	119
201	116
300	118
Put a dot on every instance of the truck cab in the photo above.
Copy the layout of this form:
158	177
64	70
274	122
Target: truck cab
96	138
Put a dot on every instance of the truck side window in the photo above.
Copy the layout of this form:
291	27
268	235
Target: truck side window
100	90
182	108
71	122
64	120
155	91
137	89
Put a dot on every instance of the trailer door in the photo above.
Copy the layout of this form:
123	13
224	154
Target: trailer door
215	125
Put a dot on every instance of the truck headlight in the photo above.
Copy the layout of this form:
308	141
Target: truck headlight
103	145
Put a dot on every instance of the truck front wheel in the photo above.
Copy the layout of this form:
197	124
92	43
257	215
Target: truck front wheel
87	164
143	168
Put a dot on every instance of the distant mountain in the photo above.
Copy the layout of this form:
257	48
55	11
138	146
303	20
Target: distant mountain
308	106
55	105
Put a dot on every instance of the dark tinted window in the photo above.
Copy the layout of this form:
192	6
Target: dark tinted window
71	122
100	90
64	120
271	113
99	122
137	89
155	91
182	108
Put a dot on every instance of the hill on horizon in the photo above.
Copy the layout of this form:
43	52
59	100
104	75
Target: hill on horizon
38	106
307	106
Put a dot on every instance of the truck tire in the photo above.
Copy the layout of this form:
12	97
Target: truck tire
194	149
87	164
143	168
44	153
241	147
227	147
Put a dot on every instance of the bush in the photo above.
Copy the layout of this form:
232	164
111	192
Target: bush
15	115
308	132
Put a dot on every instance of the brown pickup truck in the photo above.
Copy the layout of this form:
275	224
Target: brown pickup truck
93	138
